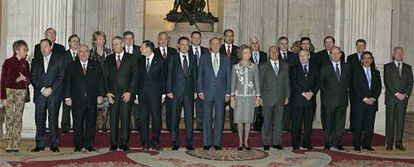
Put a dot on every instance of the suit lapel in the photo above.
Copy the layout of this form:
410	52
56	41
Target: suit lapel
52	60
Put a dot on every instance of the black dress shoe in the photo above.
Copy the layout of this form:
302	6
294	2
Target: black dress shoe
279	147
240	148
400	147
189	148
388	148
206	147
357	148
157	147
64	132
113	148
339	147
15	150
369	148
266	147
217	148
54	149
90	149
308	147
175	147
77	149
247	148
124	147
145	147
327	146
37	149
295	147
9	150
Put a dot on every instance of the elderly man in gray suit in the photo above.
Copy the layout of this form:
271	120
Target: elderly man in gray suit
275	92
213	87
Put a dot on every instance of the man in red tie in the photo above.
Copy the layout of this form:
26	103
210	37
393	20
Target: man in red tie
230	50
165	51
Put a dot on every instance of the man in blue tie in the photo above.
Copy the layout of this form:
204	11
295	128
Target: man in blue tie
258	57
197	50
367	81
334	82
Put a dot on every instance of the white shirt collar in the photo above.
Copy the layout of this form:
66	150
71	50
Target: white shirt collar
227	46
367	68
86	63
150	57
396	63
198	48
272	61
121	54
334	63
47	57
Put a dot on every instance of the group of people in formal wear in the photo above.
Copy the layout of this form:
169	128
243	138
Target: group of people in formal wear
129	85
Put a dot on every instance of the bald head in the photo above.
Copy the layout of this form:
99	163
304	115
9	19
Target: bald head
83	53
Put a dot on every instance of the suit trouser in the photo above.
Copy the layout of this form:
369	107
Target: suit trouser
364	120
135	117
150	106
323	117
352	112
42	106
179	102
208	121
395	118
303	113
287	117
84	125
14	113
119	113
334	124
166	108
199	113
65	122
272	115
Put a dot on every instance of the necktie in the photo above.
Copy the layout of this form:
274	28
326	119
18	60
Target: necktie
73	55
215	66
275	68
185	64
46	64
84	68
284	56
164	53
368	75
228	52
256	58
197	55
131	49
147	67
338	72
305	69
118	61
399	69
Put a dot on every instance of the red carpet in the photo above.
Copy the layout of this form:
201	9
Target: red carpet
228	139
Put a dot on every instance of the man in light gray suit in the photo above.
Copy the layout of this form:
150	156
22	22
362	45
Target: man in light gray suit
213	87
275	92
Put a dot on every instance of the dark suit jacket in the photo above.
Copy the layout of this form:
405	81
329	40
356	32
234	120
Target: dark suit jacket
178	82
303	82
324	58
136	52
394	83
234	58
170	51
262	59
151	84
203	51
274	89
57	49
84	89
353	60
292	59
335	93
360	85
68	57
214	86
119	81
53	78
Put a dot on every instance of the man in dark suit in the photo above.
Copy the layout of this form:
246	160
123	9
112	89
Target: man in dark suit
213	87
197	50
305	44
367	81
231	51
305	79
325	59
164	51
181	82
134	50
69	56
119	72
398	80
275	93
47	77
258	57
354	60
291	59
83	91
57	49
150	80
334	87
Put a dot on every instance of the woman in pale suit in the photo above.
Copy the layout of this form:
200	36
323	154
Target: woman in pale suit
245	92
